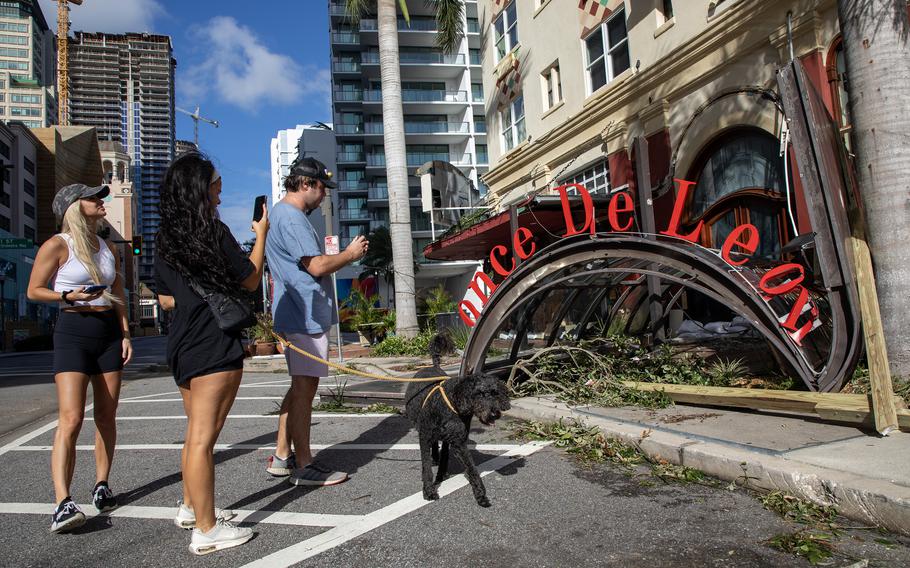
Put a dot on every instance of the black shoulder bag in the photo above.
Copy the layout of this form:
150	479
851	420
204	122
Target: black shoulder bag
231	314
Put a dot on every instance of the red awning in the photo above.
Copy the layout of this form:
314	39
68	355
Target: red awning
544	218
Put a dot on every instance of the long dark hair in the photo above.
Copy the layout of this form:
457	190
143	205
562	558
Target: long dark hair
189	236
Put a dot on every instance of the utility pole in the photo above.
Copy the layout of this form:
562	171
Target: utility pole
63	79
196	118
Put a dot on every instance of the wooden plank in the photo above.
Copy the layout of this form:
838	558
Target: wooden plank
840	407
876	352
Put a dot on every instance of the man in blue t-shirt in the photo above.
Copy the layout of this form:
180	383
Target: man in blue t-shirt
303	310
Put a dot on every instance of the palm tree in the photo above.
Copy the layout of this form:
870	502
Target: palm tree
877	50
451	30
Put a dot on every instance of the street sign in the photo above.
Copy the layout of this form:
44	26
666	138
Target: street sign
13	243
331	245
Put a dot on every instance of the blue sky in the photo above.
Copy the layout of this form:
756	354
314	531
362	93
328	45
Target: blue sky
256	67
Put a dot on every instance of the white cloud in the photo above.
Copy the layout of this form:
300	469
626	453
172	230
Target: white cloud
111	16
242	71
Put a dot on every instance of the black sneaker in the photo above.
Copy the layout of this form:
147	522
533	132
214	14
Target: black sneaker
103	498
67	517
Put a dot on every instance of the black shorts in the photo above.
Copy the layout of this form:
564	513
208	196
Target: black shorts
88	342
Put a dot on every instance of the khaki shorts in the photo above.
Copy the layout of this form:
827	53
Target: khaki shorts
317	345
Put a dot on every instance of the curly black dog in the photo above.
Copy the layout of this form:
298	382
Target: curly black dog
480	395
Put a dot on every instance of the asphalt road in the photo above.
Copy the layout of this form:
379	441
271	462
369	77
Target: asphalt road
27	391
547	509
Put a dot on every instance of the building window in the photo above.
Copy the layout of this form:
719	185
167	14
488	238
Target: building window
4	149
14	65
595	178
10	27
29	187
513	123
666	9
477	92
551	87
4	223
14	40
607	51
33	99
29	233
13	52
29	210
28	165
20	111
505	30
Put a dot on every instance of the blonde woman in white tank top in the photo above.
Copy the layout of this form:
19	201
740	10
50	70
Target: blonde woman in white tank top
91	341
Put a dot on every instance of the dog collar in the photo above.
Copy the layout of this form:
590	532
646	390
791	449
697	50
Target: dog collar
442	392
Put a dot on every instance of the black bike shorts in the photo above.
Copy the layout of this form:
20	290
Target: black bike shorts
88	342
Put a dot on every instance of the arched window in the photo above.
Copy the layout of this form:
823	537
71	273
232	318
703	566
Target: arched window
121	171
108	171
739	179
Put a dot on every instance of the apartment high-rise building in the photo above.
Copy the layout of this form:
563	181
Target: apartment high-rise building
443	104
28	65
123	85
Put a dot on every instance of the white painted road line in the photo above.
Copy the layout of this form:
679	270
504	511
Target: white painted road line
134	401
167	513
341	534
333	447
272	416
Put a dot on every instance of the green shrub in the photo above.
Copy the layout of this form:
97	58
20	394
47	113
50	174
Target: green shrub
395	346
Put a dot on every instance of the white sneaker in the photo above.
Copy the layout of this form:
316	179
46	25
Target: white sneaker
222	535
186	518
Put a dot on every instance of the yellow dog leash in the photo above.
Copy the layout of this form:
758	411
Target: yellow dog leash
288	345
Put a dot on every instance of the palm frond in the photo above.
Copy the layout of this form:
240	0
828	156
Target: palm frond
450	23
357	8
404	11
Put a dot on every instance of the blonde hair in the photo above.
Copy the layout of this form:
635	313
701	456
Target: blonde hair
75	225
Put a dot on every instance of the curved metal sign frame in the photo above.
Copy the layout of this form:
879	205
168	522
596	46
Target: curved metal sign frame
823	353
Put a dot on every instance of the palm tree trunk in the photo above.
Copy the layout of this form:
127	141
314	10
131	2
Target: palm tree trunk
396	171
878	81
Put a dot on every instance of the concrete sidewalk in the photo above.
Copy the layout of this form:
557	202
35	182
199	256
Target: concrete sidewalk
866	477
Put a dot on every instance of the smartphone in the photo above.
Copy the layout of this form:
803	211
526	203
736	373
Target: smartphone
257	207
94	288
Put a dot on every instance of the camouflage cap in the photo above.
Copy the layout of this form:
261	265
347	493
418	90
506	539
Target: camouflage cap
72	193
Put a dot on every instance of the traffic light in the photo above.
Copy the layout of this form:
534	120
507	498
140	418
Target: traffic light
137	245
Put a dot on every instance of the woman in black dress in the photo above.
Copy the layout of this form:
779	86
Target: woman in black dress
207	362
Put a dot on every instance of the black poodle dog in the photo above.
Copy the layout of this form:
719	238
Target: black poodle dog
442	412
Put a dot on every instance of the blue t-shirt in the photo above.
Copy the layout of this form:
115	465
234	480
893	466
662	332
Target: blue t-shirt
301	303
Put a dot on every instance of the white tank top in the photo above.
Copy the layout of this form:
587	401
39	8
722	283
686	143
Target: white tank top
73	275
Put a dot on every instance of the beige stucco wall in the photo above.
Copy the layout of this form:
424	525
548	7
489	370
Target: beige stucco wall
682	64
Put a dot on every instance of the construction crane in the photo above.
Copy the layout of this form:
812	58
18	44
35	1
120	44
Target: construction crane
63	78
196	118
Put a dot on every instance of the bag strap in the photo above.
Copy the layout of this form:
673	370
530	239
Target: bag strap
196	288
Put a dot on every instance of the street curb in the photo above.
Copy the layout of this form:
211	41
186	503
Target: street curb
872	501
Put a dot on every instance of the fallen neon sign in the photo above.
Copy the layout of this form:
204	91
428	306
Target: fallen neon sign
743	240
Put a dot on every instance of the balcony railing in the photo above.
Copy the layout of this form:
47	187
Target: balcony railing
372	25
480	127
346	66
474	57
352	185
346	38
483	158
414	160
349	129
420	225
422	128
338	10
378	224
411	58
421	96
378	192
473	27
347	96
349	157
353	214
464	160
